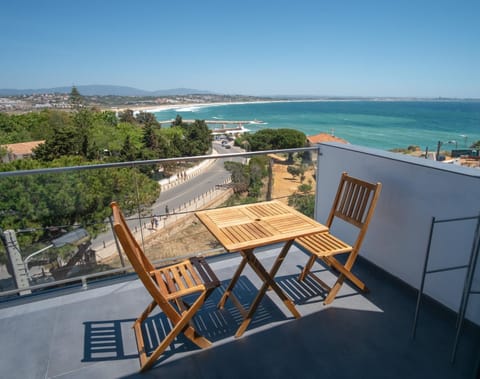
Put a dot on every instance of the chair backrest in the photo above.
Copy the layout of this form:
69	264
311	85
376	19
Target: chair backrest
355	203
135	254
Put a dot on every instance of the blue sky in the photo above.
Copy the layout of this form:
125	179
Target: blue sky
421	48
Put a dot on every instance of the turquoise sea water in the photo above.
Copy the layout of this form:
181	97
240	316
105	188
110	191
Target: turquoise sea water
379	124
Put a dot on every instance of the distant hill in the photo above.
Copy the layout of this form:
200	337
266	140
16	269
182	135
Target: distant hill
104	90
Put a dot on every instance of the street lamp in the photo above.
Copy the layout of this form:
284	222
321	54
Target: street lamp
75	237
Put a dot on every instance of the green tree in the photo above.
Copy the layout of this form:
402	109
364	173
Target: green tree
150	139
248	177
178	121
147	119
305	188
30	126
128	151
127	116
197	138
168	140
107	118
295	171
165	148
303	200
303	203
85	146
56	121
239	174
12	131
270	139
266	139
64	142
257	167
83	121
112	139
76	100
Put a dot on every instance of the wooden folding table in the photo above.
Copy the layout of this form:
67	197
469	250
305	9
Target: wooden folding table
246	227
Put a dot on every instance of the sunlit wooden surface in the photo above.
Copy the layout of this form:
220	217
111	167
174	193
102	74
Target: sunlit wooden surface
252	225
245	227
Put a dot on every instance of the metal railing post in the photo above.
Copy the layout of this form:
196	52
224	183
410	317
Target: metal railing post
122	261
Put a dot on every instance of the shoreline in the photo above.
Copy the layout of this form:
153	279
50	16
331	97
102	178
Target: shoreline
166	107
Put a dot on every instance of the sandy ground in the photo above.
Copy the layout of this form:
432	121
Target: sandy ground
284	184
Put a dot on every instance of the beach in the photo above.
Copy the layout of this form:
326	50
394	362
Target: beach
166	107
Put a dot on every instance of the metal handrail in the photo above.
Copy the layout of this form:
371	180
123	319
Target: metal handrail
54	170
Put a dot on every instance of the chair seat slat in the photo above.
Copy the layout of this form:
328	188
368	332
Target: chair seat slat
323	244
194	274
184	269
178	278
167	275
161	282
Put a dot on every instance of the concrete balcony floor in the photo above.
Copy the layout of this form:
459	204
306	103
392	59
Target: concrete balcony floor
76	333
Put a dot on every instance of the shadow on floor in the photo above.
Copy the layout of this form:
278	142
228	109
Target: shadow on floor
105	341
332	343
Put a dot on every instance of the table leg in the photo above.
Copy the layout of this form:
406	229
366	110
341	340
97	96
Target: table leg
232	283
268	281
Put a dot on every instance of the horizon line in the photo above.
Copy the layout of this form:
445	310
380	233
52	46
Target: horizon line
210	92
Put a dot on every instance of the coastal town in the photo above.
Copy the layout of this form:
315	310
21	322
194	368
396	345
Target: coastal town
37	101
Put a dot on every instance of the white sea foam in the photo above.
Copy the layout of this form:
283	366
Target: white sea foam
152	110
187	109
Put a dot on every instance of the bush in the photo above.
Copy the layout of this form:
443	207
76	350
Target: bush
295	170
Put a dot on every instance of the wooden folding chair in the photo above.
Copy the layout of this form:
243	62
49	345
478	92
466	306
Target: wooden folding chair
354	203
167	286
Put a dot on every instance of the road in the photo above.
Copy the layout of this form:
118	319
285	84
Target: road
182	193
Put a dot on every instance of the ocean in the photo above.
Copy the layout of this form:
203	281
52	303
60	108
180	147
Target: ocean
379	124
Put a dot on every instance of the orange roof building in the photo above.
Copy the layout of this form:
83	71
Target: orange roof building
19	150
324	137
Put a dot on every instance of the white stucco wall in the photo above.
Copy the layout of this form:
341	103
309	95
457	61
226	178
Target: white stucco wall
414	191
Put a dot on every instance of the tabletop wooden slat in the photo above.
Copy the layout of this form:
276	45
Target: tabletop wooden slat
253	225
